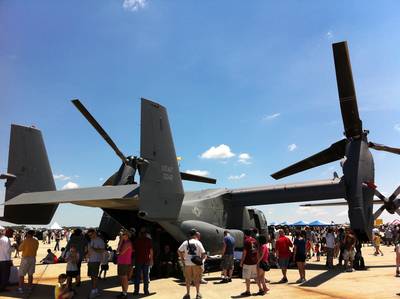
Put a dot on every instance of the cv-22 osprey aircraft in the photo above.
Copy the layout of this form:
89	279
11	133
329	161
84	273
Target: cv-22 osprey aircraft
160	202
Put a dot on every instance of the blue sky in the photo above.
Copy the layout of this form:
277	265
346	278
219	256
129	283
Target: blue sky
258	78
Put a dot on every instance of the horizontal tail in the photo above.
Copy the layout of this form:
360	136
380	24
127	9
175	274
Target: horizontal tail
28	171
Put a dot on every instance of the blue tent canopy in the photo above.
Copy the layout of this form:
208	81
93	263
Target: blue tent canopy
300	223
318	223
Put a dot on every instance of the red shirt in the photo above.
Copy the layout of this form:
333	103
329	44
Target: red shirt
283	245
251	247
142	247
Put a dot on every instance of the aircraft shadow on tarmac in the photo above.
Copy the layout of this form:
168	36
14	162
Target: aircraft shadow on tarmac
47	291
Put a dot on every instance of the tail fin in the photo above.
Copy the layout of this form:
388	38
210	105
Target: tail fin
161	190
28	171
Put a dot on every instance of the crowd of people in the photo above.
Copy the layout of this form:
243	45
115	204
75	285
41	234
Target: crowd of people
281	248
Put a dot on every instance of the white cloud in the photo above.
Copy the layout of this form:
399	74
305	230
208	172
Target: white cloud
61	177
220	152
329	34
292	147
244	158
236	177
198	172
134	5
397	127
271	116
70	185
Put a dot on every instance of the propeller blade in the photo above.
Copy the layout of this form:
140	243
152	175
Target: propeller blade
335	152
379	212
336	203
381	147
347	94
197	178
395	193
99	129
380	196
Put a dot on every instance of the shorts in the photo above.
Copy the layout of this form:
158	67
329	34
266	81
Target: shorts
348	254
72	273
249	271
301	258
104	267
27	266
93	269
193	273
123	270
283	263
227	262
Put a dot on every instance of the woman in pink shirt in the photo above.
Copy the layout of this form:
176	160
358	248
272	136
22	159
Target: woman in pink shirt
124	261
263	260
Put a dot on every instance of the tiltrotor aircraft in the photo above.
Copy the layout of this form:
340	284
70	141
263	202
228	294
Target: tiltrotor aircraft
159	201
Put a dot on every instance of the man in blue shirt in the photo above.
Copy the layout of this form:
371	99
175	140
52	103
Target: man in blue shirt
227	257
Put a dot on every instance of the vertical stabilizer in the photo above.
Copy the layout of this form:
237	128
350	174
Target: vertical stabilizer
28	171
161	190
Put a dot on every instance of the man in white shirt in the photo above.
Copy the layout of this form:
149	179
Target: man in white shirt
189	249
330	246
96	248
5	260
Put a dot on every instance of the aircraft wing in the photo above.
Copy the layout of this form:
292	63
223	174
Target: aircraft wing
111	197
288	193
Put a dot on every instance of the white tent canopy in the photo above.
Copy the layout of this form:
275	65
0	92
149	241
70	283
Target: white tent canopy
55	225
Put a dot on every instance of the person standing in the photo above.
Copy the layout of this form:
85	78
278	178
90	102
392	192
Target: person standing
124	261
283	245
72	258
143	260
5	260
330	247
78	240
249	260
29	249
227	257
187	251
377	244
348	253
96	247
299	253
57	236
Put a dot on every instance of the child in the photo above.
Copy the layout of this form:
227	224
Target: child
377	244
317	251
104	262
61	291
72	259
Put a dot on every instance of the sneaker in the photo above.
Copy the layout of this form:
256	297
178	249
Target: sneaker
300	280
283	280
303	280
349	270
187	296
245	294
397	273
260	293
198	296
146	293
135	293
122	296
229	279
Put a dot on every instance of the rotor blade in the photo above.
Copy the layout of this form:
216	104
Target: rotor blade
379	212
99	129
335	152
381	147
336	203
197	178
380	196
347	94
395	193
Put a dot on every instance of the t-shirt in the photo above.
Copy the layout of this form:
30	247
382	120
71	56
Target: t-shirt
5	249
58	291
300	246
264	253
125	256
229	245
29	247
283	245
142	247
330	240
251	247
72	264
95	256
191	248
349	242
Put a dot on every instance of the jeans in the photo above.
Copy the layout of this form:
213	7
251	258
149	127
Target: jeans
139	270
329	257
5	267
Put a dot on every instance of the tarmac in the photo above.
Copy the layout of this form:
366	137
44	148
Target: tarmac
378	281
